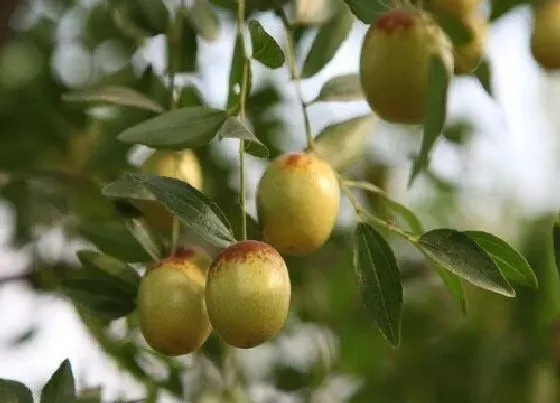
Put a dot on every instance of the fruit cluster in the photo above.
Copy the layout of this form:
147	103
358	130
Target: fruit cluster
244	293
398	50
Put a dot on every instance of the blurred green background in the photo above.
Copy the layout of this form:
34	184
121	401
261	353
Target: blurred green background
495	170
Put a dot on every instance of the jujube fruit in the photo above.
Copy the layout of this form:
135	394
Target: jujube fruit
298	199
171	307
395	60
467	56
545	37
248	294
182	165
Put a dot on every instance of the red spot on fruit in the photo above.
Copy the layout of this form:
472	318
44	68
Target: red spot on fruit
185	253
295	159
181	255
242	249
394	19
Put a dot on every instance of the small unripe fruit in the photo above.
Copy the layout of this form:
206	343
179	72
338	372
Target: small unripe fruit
171	308
395	61
545	38
467	56
181	165
248	294
298	199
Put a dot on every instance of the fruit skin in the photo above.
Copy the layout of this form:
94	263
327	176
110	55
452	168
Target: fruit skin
467	56
545	37
248	294
298	199
183	165
395	60
171	307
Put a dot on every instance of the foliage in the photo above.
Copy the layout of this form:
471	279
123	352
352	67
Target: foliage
69	165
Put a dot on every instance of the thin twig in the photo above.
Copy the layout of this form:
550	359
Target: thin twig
295	76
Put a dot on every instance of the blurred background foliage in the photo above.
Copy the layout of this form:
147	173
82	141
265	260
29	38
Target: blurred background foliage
55	156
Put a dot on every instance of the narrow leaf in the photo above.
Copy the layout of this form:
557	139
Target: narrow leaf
484	75
406	214
99	296
556	240
60	388
343	143
456	30
381	286
182	47
233	128
204	20
114	95
14	392
111	267
459	254
192	207
181	128
436	104
113	238
399	209
512	263
367	10
265	48
238	61
327	41
453	284
342	88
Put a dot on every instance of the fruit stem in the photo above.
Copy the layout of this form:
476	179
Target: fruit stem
295	76
172	105
242	118
361	212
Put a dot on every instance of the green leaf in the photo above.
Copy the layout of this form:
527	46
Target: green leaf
204	20
459	254
109	266
14	392
484	75
155	13
181	128
190	96
434	121
327	41
114	95
265	48
367	10
401	210
140	231
453	284
181	44
192	207
236	76
113	238
512	263
127	188
406	214
60	388
501	7
381	286
233	128
343	143
342	88
456	30
99	296
556	240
